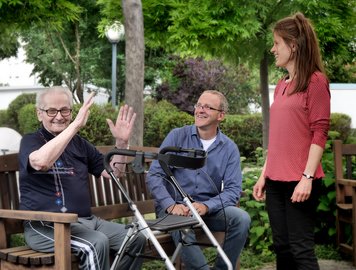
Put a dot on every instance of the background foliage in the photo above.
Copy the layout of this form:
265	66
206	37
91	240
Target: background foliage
160	118
190	77
245	130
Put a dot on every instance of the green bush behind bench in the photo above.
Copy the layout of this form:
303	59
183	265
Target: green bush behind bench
245	130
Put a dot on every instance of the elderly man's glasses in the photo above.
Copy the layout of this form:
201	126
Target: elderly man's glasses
206	107
53	112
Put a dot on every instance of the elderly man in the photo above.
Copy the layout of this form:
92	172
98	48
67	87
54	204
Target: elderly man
54	166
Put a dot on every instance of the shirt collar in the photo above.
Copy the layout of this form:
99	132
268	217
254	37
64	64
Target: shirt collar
219	137
47	135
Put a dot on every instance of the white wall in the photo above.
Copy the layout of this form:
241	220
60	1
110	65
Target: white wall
343	100
14	71
8	94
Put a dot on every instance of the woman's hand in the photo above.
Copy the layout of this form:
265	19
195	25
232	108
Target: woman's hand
302	190
259	189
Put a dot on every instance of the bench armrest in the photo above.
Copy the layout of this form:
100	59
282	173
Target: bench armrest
62	254
346	182
39	215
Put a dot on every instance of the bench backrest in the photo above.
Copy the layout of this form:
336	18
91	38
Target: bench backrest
9	191
345	168
108	202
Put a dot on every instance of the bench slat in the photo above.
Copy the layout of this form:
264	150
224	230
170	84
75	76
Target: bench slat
14	256
6	251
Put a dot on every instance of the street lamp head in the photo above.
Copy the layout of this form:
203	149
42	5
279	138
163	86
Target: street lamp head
115	32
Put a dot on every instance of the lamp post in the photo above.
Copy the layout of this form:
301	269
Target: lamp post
114	33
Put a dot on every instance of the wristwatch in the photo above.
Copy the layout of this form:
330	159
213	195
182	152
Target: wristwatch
308	176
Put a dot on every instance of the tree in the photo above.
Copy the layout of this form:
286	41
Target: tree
335	24
135	63
131	12
193	75
58	25
9	41
72	55
20	14
239	31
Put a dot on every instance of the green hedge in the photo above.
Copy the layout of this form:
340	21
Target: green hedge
341	123
96	130
4	119
27	119
16	105
245	131
161	117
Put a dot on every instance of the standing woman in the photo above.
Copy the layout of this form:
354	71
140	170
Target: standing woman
299	123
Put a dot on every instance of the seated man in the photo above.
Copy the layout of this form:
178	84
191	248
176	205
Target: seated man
215	188
54	166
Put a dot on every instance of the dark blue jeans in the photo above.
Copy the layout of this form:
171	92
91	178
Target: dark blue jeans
234	221
292	225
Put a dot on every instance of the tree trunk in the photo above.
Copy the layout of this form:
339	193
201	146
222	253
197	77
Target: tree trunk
79	87
135	57
265	98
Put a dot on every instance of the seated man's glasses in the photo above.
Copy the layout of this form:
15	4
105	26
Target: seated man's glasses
53	112
206	107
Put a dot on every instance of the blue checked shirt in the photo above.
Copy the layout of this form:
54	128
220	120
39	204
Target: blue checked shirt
218	184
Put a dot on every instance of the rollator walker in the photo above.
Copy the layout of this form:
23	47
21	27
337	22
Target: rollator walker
168	156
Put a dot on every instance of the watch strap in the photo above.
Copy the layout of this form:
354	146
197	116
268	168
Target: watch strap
308	176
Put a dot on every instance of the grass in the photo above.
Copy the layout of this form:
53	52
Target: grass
249	260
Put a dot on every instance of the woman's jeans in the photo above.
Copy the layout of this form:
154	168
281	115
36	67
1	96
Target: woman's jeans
292	225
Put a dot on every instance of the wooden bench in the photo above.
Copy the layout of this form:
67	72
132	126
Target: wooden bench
345	182
107	203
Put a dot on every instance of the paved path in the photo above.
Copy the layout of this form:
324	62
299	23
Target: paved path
324	265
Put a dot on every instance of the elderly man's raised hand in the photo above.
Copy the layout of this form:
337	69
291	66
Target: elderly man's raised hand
83	114
123	127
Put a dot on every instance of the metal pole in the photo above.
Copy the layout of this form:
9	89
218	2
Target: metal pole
113	75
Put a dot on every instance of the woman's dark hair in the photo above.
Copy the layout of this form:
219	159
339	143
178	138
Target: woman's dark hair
297	30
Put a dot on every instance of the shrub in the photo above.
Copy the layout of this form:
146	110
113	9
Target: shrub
16	105
245	131
260	235
325	219
341	123
160	118
4	119
27	119
96	129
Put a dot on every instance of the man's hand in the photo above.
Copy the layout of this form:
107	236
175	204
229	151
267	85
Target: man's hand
201	208
178	209
122	129
83	114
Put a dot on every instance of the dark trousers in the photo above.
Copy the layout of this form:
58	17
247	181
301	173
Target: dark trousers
292	225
